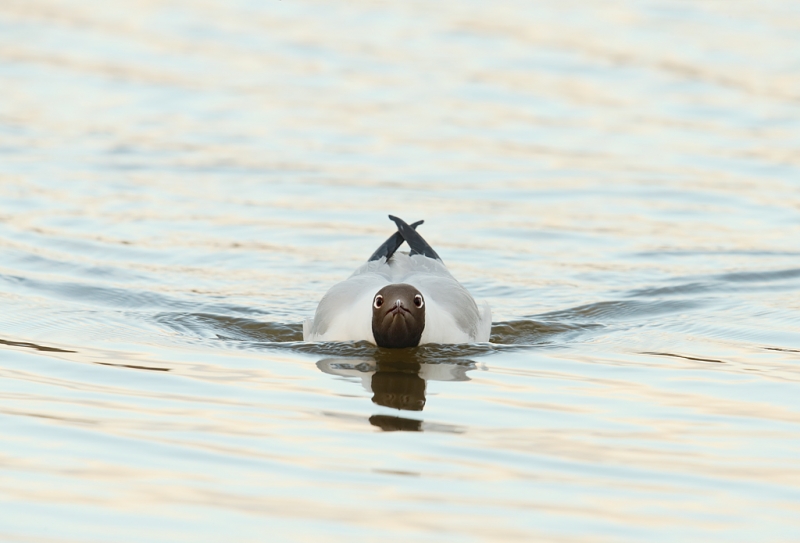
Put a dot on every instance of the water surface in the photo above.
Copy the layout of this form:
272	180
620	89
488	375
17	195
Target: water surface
181	182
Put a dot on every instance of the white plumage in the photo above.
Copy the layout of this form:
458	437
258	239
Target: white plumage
452	315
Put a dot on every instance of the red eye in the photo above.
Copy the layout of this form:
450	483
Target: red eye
378	301
418	301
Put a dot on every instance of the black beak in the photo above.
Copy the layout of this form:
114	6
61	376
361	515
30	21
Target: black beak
398	307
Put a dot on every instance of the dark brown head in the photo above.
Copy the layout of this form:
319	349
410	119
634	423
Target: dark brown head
398	316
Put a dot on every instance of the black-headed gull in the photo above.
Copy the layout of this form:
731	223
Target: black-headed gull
400	300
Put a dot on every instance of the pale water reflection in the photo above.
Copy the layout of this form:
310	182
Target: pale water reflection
397	380
180	183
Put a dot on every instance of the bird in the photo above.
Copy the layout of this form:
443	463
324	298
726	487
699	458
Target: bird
400	300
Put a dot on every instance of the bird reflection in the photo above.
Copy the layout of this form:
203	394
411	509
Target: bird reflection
397	380
394	424
399	388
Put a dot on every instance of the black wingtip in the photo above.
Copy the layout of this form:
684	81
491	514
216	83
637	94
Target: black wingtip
415	241
391	245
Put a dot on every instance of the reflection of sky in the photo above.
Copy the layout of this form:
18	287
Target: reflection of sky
180	183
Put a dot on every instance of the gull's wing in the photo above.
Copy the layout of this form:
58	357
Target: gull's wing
415	241
451	314
388	248
345	312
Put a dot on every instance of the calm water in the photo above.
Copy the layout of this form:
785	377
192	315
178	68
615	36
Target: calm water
180	183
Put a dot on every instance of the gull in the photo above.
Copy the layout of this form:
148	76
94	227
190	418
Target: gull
398	300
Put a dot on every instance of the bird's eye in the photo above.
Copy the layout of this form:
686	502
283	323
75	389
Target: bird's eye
378	301
418	301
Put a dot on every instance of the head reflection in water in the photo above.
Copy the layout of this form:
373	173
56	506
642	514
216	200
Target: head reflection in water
394	424
397	383
399	389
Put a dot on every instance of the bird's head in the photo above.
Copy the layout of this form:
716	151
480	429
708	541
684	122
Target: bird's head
398	316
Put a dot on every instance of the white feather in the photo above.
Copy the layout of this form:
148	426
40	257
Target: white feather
451	314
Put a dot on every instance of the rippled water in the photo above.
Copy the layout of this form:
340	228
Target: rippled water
180	182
